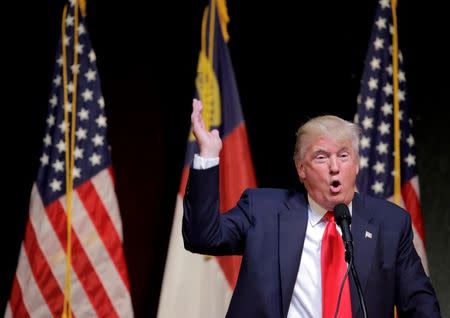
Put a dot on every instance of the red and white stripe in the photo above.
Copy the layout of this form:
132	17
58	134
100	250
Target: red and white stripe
411	202
99	279
196	285
411	197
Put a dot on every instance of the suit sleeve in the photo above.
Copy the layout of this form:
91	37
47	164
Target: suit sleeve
205	229
415	294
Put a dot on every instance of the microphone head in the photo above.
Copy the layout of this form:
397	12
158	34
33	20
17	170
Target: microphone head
341	213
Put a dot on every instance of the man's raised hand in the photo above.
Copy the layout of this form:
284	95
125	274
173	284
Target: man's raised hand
209	142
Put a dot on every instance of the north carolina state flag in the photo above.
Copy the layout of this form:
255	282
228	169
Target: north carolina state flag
196	285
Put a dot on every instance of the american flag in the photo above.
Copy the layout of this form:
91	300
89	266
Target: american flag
376	118
99	279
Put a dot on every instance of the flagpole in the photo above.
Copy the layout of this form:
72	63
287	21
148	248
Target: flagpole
69	156
397	172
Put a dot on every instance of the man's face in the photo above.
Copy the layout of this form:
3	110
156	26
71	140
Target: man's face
329	170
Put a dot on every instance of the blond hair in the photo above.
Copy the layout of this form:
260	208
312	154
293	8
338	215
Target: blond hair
329	126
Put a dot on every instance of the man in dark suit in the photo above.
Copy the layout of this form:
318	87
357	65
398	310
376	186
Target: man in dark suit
280	233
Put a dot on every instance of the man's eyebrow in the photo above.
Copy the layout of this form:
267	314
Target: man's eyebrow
343	149
323	151
320	151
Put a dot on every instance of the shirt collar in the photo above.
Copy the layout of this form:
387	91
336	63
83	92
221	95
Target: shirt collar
316	212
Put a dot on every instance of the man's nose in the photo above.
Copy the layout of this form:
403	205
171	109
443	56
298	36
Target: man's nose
334	165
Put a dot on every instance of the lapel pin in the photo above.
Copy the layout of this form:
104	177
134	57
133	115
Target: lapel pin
368	235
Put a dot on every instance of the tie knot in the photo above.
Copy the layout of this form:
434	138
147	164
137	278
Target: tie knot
329	216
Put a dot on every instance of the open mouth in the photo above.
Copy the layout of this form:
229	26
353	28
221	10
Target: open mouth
335	183
335	186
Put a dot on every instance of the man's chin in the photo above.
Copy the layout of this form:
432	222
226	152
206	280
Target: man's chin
340	197
335	199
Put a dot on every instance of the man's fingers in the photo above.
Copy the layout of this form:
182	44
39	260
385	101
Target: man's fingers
215	132
197	105
196	116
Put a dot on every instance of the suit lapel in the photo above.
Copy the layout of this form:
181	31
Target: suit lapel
292	230
365	237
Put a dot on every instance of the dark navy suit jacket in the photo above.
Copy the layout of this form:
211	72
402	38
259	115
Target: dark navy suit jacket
267	227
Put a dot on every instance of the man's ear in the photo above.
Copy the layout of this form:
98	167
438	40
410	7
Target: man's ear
300	169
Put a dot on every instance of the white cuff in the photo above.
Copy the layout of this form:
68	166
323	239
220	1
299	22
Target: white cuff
201	163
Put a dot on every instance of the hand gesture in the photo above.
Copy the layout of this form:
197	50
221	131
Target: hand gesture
209	141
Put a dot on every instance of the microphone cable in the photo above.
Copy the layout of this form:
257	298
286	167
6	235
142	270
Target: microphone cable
359	289
350	265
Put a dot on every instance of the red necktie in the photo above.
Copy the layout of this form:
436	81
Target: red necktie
333	271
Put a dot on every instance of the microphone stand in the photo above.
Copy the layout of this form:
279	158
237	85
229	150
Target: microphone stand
344	219
349	260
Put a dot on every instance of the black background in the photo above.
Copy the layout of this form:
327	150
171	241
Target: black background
292	61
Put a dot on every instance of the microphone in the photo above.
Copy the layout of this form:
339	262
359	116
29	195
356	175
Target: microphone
344	219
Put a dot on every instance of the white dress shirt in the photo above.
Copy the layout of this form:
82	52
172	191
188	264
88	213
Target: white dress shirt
201	163
306	301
